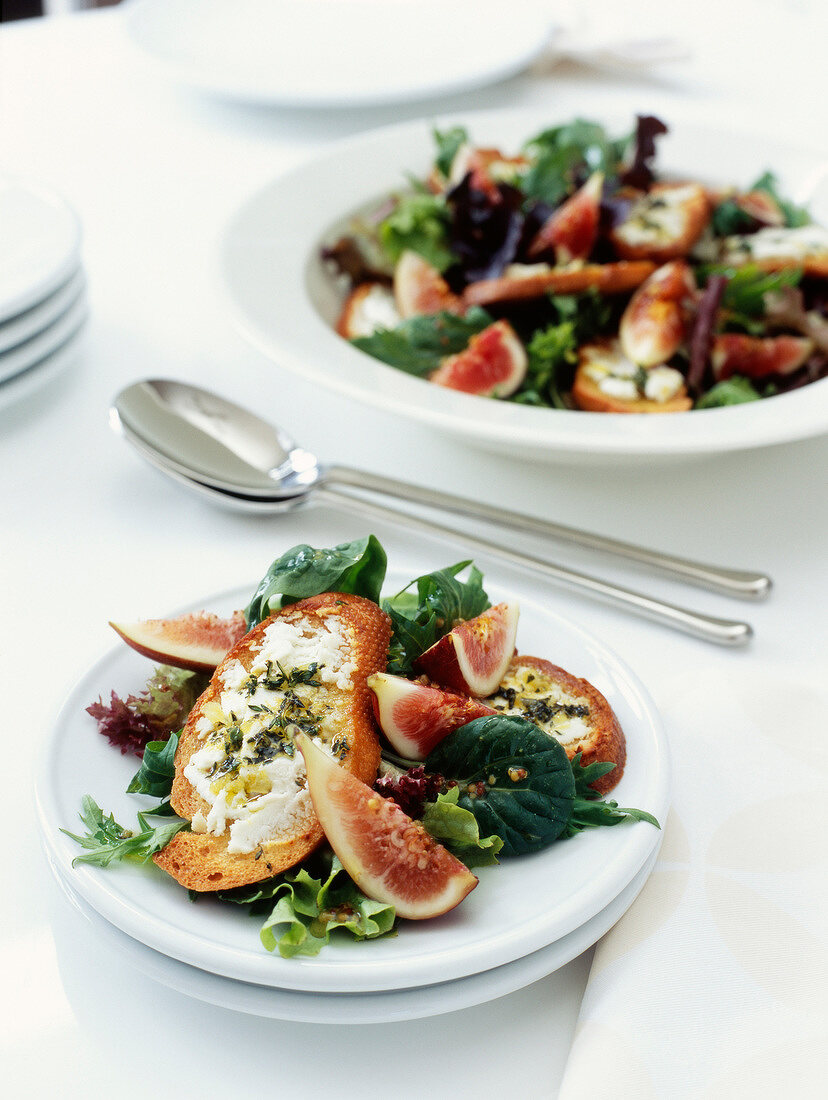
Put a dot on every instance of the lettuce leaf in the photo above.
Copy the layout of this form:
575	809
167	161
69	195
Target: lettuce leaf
456	829
418	223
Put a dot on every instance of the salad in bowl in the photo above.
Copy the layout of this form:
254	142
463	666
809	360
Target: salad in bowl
569	273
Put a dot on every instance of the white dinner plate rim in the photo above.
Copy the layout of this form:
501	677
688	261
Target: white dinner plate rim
389	1006
268	253
38	317
21	358
59	266
611	863
180	57
43	372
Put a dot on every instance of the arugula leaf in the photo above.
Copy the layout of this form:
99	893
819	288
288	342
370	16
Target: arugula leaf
418	223
420	620
456	828
308	910
589	809
514	778
448	143
418	344
732	391
157	771
108	842
744	295
355	567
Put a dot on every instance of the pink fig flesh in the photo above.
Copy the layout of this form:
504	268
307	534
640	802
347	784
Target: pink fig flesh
473	657
198	641
493	365
389	856
415	717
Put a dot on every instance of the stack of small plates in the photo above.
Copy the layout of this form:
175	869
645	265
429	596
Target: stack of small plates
527	918
42	287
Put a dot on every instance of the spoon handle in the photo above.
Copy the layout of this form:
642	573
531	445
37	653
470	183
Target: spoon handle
721	631
731	582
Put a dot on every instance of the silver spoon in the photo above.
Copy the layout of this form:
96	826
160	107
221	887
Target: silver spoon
216	442
721	631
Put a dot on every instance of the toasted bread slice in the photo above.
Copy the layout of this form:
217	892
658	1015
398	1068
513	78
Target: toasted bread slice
238	779
567	708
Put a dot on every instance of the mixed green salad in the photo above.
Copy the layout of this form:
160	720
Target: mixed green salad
301	908
572	274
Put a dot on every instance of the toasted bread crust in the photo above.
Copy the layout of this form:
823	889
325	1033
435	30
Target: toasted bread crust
201	861
588	396
605	741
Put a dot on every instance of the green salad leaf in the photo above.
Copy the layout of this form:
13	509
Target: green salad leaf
732	391
309	909
355	567
589	809
105	841
563	153
457	829
418	344
421	618
448	144
418	223
794	215
744	294
157	771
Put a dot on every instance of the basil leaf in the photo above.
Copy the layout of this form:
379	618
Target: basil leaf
354	567
108	842
441	601
456	828
514	778
157	771
419	344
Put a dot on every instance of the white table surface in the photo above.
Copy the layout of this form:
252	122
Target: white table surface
89	533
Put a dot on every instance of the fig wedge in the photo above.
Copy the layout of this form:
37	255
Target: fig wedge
493	365
198	641
473	657
415	717
420	289
389	856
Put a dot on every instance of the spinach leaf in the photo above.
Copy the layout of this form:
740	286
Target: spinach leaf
456	828
418	344
514	778
354	567
108	842
448	143
419	620
418	223
157	771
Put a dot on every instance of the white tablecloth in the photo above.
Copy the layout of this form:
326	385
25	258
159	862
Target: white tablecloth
89	534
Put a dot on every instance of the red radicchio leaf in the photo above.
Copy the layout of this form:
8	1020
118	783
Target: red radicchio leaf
639	173
486	228
412	789
701	340
121	725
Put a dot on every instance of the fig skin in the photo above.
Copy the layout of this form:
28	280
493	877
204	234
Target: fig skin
389	856
473	657
415	717
493	365
198	641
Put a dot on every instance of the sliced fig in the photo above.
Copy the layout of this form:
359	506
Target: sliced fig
419	288
569	233
493	365
415	717
758	356
198	641
473	657
389	856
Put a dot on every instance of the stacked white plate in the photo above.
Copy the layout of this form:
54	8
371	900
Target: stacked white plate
42	287
527	918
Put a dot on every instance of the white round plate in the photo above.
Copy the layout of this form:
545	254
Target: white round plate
519	906
42	373
285	300
338	53
391	1006
35	319
37	348
41	238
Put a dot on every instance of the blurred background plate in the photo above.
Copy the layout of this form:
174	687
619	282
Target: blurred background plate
339	53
